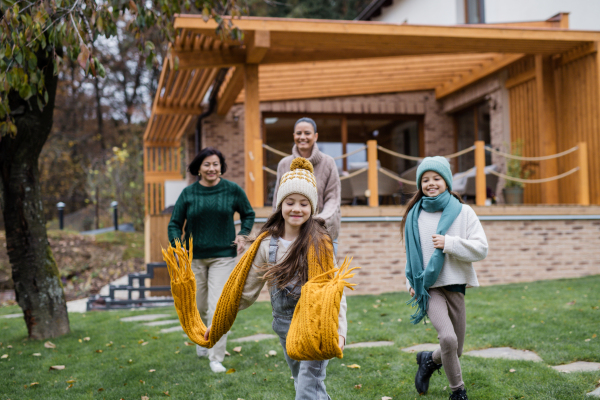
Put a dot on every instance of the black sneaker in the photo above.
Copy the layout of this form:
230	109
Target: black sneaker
426	368
459	395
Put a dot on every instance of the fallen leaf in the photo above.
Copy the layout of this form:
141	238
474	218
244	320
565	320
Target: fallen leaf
36	354
101	389
80	341
98	351
154	337
57	367
34	383
87	339
177	352
145	343
237	349
386	398
109	344
358	386
512	326
167	393
151	370
230	371
141	341
511	370
353	366
142	382
399	319
71	381
594	336
69	387
227	353
145	398
272	353
9	347
587	340
4	356
130	361
188	343
49	345
571	303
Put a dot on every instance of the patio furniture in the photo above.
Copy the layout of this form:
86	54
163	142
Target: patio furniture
464	182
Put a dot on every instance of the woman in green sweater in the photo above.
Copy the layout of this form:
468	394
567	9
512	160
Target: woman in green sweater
208	207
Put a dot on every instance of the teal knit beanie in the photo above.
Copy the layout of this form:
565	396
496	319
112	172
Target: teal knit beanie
437	164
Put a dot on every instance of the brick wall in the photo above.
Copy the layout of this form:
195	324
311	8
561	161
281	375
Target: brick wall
520	251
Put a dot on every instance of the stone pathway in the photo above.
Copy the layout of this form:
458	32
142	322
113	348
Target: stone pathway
146	317
595	393
506	353
254	338
177	328
421	347
368	344
11	315
579	366
163	322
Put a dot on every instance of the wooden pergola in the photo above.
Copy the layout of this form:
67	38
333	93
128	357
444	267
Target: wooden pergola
282	59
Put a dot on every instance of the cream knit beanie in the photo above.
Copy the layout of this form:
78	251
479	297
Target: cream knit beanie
299	180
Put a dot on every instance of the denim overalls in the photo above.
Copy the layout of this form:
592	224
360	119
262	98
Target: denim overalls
308	375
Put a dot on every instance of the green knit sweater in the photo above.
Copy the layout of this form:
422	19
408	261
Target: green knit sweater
209	214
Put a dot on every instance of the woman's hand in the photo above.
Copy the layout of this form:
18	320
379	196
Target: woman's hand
207	333
412	292
342	342
439	241
239	241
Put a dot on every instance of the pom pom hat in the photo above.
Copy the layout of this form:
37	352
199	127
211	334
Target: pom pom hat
300	179
437	164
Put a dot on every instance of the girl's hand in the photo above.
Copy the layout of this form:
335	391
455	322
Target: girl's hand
207	333
412	292
342	342
239	241
439	241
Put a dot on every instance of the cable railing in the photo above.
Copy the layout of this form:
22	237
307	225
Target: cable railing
480	171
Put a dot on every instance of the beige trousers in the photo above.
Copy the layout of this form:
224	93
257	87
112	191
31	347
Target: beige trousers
211	275
448	315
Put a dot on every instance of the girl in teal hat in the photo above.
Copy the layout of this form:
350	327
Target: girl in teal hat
443	237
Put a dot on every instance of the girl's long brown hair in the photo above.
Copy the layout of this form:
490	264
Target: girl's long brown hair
416	197
293	269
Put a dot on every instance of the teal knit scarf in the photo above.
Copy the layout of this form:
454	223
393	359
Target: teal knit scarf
421	278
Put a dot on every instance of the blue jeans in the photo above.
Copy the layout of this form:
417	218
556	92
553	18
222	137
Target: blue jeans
308	375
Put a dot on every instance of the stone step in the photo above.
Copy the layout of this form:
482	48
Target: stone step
146	317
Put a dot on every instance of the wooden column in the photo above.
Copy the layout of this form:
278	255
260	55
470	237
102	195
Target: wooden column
480	188
584	179
344	142
252	137
546	105
373	191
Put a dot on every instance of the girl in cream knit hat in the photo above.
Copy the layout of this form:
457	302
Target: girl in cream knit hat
294	247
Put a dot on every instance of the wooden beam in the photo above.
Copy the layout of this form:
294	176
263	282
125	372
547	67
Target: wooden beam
208	58
257	46
491	67
231	91
584	178
546	105
579	52
162	110
373	191
251	134
519	79
480	188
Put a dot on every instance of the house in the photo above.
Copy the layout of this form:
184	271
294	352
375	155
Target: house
398	89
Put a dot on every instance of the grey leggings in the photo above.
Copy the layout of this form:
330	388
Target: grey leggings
448	316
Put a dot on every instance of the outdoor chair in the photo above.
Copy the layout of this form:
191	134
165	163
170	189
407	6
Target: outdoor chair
464	182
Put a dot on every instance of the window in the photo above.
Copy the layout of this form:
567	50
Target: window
472	124
474	12
339	134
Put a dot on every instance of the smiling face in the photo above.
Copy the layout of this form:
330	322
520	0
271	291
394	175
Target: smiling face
305	137
296	210
210	170
432	184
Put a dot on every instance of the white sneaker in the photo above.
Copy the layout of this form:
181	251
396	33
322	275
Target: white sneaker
201	351
217	366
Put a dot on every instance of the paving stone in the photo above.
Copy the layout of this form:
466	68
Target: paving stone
421	347
147	317
178	328
163	322
260	336
368	344
595	393
506	353
11	315
579	366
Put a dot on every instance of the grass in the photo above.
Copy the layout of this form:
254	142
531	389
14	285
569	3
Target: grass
544	316
133	242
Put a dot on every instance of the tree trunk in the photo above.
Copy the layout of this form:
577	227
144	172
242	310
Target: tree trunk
38	288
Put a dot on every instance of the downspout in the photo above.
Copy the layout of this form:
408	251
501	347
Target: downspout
212	102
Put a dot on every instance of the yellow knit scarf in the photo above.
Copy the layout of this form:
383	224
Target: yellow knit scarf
313	332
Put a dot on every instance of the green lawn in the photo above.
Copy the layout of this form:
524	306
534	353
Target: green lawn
544	316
